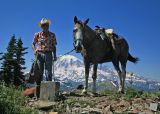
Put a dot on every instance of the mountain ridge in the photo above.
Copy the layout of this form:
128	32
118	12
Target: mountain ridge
70	70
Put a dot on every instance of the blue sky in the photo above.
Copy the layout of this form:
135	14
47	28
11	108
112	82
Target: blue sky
136	20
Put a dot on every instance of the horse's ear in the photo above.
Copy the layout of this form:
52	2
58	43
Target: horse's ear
97	26
75	19
86	21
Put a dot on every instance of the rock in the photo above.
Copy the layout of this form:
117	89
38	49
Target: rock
146	106
153	106
85	112
42	112
76	110
124	103
147	112
77	105
95	111
49	90
107	110
80	87
68	110
44	104
53	112
88	107
64	93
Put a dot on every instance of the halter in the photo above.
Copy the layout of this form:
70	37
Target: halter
83	51
83	32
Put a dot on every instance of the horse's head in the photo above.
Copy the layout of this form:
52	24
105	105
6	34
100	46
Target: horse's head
101	31
78	34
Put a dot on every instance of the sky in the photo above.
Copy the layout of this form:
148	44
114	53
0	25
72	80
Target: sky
138	21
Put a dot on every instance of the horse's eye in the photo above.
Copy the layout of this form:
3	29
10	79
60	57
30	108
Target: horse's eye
75	30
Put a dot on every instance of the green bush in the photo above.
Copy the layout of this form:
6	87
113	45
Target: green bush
151	95
131	93
12	101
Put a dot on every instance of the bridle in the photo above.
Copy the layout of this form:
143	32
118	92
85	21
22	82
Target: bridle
83	51
79	39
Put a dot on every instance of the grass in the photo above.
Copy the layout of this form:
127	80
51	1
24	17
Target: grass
151	95
12	101
132	93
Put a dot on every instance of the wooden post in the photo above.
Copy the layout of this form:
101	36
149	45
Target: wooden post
49	90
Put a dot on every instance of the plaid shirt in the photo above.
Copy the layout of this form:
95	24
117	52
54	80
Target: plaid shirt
46	42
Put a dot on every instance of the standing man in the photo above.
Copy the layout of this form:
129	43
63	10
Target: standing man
45	50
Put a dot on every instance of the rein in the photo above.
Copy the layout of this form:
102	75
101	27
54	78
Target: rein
66	53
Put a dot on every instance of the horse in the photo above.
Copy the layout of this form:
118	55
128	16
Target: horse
95	50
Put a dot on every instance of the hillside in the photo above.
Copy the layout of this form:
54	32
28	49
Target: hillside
108	102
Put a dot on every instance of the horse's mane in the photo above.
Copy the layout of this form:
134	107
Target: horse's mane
93	32
108	40
89	28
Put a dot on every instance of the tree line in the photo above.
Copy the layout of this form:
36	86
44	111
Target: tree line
12	62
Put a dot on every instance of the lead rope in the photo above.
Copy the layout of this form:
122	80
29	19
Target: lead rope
58	58
66	53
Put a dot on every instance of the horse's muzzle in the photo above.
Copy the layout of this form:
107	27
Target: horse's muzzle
78	48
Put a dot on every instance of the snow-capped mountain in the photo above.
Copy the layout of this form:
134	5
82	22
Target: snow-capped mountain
69	70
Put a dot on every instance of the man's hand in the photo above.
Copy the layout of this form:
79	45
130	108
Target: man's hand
34	49
35	52
55	58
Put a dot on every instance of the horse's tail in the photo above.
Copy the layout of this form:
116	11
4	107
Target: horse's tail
132	59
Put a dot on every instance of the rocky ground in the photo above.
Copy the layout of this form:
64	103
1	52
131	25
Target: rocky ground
108	103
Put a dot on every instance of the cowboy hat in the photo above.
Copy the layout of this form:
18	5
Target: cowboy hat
44	21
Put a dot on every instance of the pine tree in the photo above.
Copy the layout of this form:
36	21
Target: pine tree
1	53
9	61
0	61
20	62
0	56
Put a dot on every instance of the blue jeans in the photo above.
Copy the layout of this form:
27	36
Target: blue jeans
44	61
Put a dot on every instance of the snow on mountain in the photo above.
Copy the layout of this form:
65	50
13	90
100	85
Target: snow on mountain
69	70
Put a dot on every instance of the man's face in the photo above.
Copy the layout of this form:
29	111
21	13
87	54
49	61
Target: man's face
45	27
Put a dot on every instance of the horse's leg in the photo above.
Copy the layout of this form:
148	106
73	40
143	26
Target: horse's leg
123	74
116	66
94	77
86	77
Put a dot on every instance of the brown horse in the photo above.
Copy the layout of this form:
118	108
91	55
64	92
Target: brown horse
95	50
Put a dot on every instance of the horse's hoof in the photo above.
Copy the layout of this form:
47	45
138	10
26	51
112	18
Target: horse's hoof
95	94
121	92
84	93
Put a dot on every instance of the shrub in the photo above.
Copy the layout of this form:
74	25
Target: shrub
151	95
131	93
12	101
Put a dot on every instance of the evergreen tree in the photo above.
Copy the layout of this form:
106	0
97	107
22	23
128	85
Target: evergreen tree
9	61
0	56
0	61
20	62
1	53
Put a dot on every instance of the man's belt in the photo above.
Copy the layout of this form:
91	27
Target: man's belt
44	51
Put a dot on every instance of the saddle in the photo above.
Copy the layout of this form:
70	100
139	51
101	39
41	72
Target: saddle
116	38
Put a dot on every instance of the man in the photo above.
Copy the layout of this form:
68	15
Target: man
45	50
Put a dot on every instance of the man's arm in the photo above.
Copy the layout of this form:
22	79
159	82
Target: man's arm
34	48
54	53
35	40
54	47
